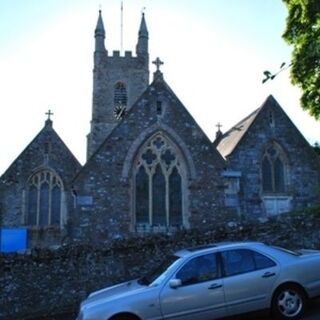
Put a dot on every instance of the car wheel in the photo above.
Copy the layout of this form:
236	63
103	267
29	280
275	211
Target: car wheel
289	302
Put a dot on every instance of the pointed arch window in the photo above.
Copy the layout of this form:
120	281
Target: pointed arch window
44	196
273	169
159	179
120	94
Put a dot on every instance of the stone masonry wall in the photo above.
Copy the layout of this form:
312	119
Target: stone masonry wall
108	176
302	167
46	152
42	282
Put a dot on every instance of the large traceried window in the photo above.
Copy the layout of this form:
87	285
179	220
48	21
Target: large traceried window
158	182
44	198
273	169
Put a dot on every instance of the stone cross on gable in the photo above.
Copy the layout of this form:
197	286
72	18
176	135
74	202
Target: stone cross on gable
219	126
49	113
158	63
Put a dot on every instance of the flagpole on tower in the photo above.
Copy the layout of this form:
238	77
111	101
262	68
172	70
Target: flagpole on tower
121	29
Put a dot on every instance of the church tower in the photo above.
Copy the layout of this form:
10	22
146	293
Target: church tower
117	82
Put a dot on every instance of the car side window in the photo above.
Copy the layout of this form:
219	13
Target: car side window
243	260
199	269
237	261
262	261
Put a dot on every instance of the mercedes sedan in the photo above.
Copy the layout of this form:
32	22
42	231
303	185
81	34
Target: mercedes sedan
214	282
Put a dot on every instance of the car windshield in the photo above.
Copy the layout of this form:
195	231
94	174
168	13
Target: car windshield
155	276
291	252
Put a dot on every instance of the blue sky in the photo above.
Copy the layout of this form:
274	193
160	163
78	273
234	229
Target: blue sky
215	52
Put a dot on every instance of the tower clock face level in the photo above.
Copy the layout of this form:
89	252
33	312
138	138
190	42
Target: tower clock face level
119	80
119	111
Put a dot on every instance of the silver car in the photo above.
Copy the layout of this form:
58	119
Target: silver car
213	282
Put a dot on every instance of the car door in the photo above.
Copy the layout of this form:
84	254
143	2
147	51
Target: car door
200	293
248	280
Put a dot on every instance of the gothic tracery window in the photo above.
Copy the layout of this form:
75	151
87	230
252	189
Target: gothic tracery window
44	198
158	179
273	169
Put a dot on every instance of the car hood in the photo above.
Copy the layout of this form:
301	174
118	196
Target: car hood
113	293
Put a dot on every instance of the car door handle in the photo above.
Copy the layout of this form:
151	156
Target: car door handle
268	274
215	286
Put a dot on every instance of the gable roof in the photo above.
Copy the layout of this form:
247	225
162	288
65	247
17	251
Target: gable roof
230	140
158	86
47	133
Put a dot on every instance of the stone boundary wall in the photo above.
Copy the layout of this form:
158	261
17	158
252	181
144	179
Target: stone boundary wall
44	282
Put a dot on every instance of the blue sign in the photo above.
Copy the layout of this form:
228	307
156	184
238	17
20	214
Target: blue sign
84	201
13	239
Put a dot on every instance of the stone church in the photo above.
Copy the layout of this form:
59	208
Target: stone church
150	167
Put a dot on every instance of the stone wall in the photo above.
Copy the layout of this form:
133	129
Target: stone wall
108	178
302	166
42	282
46	153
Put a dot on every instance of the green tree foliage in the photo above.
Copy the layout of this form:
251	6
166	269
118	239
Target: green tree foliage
303	33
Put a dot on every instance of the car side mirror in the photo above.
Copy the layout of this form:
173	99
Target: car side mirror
175	283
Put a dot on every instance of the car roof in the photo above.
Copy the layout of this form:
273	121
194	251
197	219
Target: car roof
211	247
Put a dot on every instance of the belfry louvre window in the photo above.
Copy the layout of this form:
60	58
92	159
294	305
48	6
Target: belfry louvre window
120	94
158	179
273	170
44	199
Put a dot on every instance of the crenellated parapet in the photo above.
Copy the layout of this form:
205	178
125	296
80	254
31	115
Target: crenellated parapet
117	79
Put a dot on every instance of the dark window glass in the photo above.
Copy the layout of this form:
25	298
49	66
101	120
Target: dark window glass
158	271
44	199
32	206
159	108
273	171
271	119
120	94
168	157
262	261
142	196
199	269
159	197
175	198
55	205
44	204
278	175
158	185
266	175
46	148
149	156
237	261
158	142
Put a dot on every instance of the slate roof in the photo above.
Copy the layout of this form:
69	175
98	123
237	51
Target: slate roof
158	85
32	157
232	137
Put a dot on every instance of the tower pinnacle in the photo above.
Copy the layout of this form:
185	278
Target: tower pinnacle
117	80
99	34
143	31
143	37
